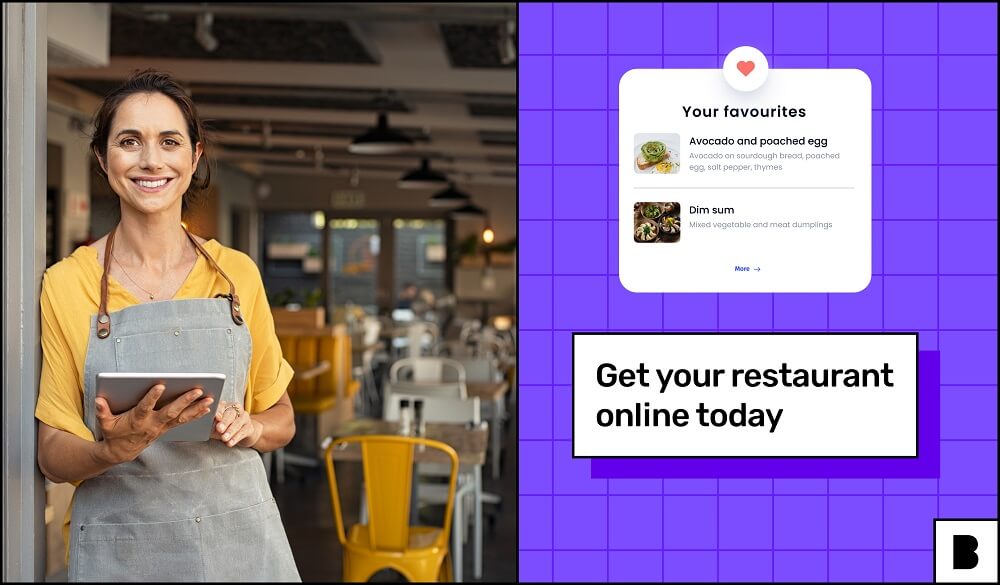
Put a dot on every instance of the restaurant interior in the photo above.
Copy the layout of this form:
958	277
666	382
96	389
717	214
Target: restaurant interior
365	158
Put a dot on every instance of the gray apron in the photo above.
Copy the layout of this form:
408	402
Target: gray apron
196	511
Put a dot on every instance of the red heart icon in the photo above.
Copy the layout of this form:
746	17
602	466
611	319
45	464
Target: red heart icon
745	67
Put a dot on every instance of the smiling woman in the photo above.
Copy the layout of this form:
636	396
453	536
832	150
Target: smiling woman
129	144
145	506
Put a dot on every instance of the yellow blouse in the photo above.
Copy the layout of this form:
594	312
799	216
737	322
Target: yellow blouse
71	294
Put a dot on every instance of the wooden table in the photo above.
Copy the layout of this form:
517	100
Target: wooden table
492	392
301	331
468	442
488	393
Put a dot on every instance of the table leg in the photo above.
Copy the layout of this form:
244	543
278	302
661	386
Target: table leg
456	540
363	512
496	432
478	535
414	497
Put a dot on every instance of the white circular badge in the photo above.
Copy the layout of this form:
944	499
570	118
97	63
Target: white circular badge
745	68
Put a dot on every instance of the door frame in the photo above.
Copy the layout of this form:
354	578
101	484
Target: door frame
24	134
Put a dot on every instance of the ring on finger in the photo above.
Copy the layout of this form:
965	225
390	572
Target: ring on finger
232	405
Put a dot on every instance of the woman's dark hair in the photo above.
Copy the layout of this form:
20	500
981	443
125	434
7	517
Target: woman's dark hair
152	81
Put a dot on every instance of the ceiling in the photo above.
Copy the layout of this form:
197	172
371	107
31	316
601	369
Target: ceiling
289	85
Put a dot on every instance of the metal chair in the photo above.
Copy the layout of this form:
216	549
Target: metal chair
419	334
427	369
386	540
429	376
450	410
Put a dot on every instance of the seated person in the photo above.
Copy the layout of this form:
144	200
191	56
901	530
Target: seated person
407	295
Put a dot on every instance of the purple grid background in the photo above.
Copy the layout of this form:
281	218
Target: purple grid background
934	205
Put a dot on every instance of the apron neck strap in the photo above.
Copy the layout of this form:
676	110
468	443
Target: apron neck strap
234	299
104	321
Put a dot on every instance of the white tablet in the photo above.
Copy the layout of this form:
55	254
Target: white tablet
123	390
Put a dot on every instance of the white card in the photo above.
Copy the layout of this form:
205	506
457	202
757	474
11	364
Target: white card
714	215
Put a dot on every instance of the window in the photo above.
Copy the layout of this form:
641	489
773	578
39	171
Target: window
420	253
354	251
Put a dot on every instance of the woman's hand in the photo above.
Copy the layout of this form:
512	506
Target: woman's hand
234	427
126	435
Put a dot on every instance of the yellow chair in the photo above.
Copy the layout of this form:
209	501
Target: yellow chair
323	381
419	553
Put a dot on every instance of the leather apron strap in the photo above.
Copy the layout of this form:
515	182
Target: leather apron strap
234	299
104	321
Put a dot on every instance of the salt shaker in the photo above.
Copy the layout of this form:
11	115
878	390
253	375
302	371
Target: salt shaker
405	422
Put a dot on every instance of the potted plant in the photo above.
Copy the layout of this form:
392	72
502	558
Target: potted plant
308	315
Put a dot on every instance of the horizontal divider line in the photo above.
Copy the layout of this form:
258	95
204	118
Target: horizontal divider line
615	164
732	188
570	440
761	494
553	385
725	549
577	329
608	109
945	274
526	440
985	440
893	220
668	55
951	385
761	457
888	220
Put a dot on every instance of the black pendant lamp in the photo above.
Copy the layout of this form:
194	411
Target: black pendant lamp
381	139
422	178
468	211
449	197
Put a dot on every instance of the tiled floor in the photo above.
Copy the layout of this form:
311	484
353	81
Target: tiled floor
304	501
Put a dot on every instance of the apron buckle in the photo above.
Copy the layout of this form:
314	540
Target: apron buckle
234	306
103	326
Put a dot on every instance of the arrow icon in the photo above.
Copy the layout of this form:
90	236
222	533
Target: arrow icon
757	269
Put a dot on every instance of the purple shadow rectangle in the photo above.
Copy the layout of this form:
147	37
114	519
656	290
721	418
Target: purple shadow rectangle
926	464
